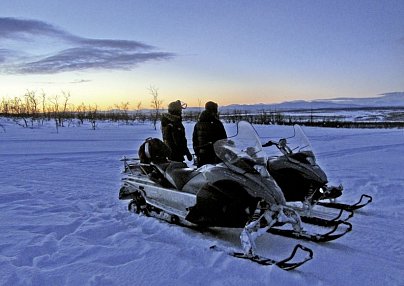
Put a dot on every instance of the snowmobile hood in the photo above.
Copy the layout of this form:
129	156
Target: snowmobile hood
244	155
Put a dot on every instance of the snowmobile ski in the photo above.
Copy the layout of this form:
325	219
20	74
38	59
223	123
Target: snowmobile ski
284	264
316	237
347	207
327	222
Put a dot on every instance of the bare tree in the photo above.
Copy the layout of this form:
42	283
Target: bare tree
5	106
44	108
138	110
54	110
156	104
19	110
81	112
31	104
3	110
92	116
65	109
123	110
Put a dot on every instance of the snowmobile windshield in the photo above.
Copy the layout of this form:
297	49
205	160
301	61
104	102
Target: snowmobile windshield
244	150
288	140
299	142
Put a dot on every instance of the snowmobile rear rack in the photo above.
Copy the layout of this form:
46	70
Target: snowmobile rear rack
347	207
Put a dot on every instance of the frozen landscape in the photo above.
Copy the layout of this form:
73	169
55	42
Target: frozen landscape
62	222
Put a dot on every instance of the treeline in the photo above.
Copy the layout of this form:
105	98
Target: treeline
33	110
277	118
355	124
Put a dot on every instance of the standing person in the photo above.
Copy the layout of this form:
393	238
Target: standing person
207	131
174	132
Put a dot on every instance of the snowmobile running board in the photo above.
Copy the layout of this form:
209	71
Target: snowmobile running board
347	207
284	264
316	237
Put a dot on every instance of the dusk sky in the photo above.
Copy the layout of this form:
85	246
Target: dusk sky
108	52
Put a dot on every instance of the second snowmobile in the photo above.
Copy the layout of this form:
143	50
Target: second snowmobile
301	179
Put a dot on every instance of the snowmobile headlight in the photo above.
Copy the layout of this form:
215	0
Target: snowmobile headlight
311	160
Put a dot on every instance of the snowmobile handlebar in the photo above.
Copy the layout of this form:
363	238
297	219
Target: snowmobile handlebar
269	143
282	145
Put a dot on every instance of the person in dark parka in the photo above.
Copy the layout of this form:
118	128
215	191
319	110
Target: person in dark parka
207	131
174	132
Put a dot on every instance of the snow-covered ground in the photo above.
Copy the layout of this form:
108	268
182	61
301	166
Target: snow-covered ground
62	222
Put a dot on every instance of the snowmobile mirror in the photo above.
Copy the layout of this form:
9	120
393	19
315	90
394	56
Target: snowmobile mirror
282	143
269	143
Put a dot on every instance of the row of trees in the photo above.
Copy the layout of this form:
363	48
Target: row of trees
33	110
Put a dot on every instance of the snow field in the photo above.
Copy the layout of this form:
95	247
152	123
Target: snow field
62	222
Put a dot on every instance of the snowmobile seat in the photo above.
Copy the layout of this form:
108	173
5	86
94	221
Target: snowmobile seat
156	173
162	167
178	174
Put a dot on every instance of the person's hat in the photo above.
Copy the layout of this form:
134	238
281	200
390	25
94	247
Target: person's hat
211	106
176	107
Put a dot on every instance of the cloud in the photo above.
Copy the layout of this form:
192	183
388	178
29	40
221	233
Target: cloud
53	50
76	81
6	54
80	81
12	27
3	55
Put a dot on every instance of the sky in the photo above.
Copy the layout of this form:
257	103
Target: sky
242	52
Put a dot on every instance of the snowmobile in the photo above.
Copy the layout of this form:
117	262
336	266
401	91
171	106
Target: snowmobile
301	179
237	193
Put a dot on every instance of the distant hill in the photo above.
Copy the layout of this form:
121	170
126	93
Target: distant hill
391	99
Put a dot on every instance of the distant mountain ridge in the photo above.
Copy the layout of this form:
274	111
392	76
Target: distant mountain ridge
391	99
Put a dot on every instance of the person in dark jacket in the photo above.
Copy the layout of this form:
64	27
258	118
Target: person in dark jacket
207	131
174	132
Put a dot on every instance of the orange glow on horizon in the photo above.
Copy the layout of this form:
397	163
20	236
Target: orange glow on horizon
104	101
